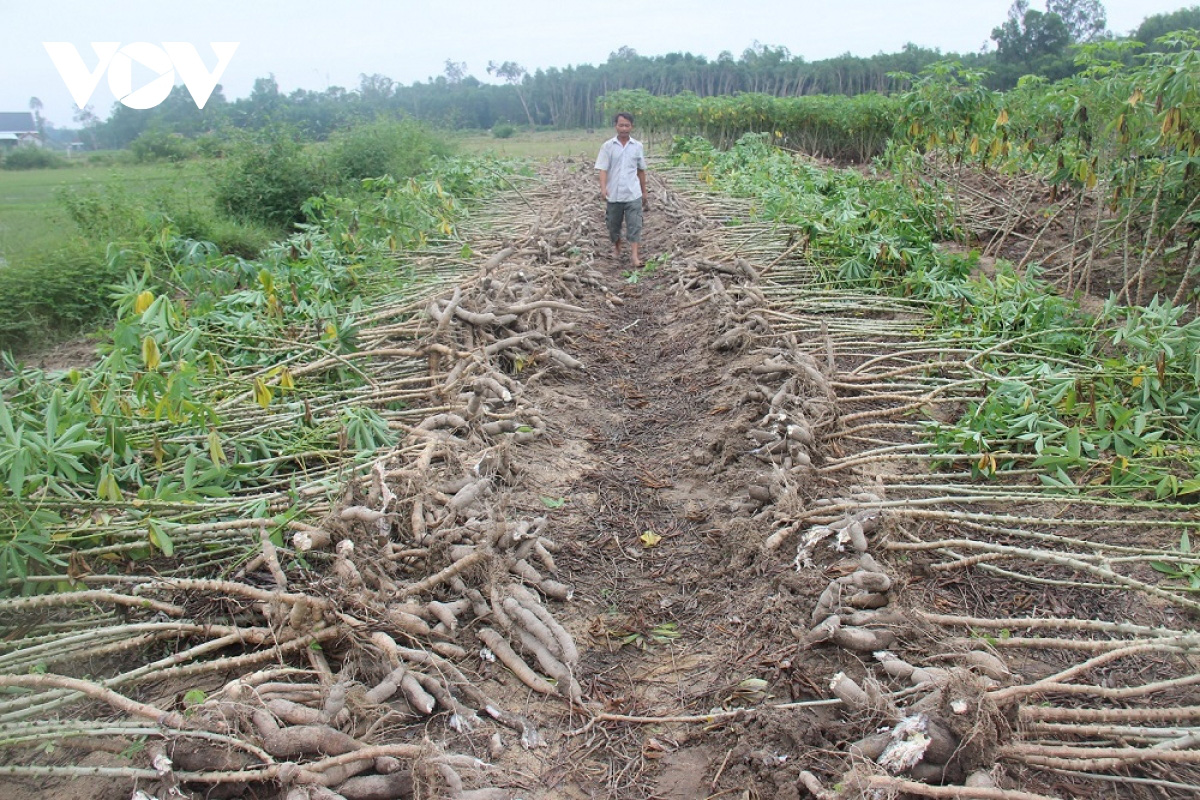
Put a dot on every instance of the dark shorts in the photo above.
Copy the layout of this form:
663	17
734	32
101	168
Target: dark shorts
631	213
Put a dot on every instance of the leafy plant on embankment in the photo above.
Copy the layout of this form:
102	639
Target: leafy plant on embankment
230	395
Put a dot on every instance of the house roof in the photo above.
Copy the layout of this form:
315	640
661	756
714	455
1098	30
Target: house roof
17	122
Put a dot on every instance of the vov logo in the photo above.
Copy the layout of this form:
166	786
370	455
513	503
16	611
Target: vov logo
118	61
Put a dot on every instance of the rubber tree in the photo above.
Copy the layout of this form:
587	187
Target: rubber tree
514	74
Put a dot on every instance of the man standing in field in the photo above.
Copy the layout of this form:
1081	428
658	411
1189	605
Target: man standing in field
622	166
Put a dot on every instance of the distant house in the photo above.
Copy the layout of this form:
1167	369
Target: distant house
16	128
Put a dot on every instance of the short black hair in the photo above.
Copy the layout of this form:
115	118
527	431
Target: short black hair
624	114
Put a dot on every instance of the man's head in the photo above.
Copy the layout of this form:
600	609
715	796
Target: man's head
623	122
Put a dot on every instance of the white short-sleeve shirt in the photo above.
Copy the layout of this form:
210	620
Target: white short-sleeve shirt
622	165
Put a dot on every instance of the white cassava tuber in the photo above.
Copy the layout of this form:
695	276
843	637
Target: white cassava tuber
867	600
868	581
563	644
499	647
300	740
821	632
387	687
871	747
361	514
830	602
377	787
421	701
980	779
293	713
869	618
987	664
335	702
863	639
849	692
311	539
407	623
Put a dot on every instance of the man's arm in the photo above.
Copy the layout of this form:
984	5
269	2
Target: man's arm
642	182
604	185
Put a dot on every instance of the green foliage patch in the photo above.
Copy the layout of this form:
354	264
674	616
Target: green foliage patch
196	406
32	158
1106	403
832	126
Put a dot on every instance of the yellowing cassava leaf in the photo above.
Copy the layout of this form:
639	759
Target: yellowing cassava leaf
150	355
215	453
143	301
650	539
262	393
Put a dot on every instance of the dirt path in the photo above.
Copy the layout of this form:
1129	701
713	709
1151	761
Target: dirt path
674	608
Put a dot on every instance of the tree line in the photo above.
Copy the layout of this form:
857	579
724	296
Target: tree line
1029	41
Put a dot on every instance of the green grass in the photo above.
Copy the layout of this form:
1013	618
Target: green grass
535	144
33	223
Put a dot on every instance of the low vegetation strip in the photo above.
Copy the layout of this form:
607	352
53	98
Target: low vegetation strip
831	126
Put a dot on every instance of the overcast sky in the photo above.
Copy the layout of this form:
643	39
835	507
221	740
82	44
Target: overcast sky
312	45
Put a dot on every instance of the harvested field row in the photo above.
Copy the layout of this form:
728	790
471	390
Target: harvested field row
664	532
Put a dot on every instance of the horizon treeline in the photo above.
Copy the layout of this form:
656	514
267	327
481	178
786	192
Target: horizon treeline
1029	42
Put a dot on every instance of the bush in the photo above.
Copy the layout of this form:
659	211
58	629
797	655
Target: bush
266	180
103	213
33	158
504	130
213	144
385	147
56	294
109	213
104	158
243	239
156	144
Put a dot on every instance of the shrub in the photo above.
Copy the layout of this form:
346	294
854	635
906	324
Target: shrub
266	180
33	158
243	239
157	144
104	158
384	147
56	294
213	144
504	130
103	213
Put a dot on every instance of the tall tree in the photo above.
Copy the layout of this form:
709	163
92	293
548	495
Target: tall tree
88	121
35	105
455	71
1086	20
514	74
1162	24
1028	34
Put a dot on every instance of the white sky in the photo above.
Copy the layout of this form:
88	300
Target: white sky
312	45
